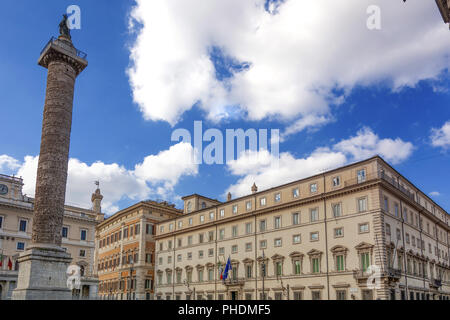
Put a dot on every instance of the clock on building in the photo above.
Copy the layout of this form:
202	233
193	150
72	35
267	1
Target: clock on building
3	189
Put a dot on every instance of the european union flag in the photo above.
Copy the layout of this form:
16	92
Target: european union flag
227	269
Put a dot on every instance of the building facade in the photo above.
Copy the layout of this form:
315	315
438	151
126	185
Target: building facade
125	249
359	232
78	234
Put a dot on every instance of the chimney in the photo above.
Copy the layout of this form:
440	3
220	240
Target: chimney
229	196
254	188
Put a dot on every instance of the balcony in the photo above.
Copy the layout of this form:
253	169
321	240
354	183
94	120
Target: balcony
234	282
394	274
60	43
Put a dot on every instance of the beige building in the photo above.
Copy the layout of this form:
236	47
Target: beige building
78	234
125	246
362	231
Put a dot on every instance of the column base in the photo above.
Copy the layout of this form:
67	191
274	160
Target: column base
42	274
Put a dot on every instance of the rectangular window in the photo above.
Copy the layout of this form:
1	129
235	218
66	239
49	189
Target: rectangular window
189	240
200	238
336	181
314	236
296	218
341	295
190	221
396	209
363	227
234	231
314	213
297	267
222	213
20	246
211	216
295	193
297	295
83	235
407	238
221	251
313	187
202	218
235	209
65	232
234	249
1	222
362	204
248	205
262	201
361	175
248	271
263	244
365	261
222	234
386	204
399	235
179	258
338	232
82	253
296	239
262	225
180	243
210	252
336	210
277	222
277	197
23	225
279	268
277	242
210	275
180	224
200	254
211	236
248	246
315	265
388	229
189	255
340	263
248	228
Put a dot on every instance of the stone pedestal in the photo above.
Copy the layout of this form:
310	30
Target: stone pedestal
43	275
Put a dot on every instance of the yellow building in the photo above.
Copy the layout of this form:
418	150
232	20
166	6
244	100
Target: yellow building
125	246
78	234
362	231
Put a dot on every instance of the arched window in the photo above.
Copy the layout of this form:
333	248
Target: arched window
189	207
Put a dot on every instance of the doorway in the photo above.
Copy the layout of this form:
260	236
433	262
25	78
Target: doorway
234	295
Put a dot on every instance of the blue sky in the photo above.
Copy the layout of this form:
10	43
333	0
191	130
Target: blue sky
207	62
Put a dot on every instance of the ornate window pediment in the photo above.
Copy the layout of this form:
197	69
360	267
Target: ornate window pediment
364	246
188	268
296	254
339	249
247	261
314	252
277	257
234	262
209	265
199	267
178	269
260	259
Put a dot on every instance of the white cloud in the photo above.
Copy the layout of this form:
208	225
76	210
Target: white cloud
297	56
366	144
156	176
310	122
267	171
440	137
8	163
435	194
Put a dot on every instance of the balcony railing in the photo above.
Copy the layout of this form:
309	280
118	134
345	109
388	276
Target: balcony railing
394	273
234	281
58	42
